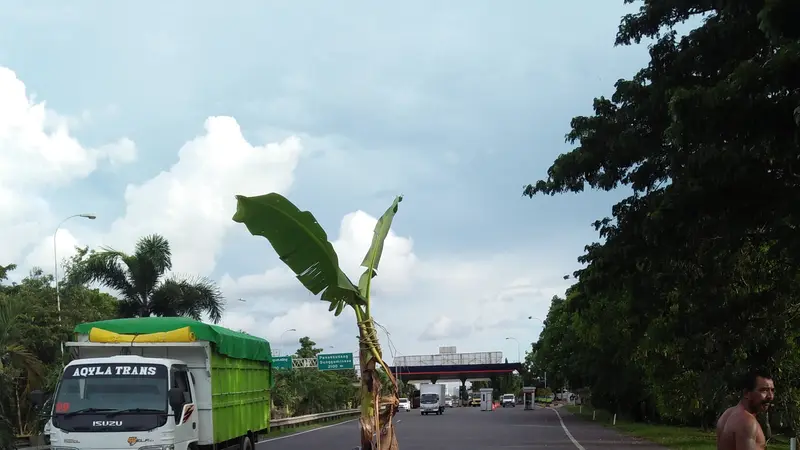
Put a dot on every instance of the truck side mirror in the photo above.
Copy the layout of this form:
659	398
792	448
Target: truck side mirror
176	399
37	398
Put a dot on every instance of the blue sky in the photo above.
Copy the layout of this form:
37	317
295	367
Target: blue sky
456	105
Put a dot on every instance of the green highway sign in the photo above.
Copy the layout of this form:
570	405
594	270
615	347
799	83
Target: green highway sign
281	362
335	361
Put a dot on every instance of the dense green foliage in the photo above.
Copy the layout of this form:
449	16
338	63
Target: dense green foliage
30	341
309	391
696	279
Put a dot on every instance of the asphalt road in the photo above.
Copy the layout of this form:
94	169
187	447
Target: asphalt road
470	428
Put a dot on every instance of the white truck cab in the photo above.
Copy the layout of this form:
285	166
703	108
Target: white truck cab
431	399
125	401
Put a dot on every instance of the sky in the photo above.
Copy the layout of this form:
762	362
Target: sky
154	115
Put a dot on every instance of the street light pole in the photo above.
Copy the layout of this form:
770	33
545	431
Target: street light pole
280	339
55	257
519	360
55	263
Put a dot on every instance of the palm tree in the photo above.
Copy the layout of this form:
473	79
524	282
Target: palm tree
139	280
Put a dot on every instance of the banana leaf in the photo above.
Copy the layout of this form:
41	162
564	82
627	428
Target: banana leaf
302	244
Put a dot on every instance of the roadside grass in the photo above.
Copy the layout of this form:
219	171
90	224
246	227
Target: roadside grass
290	431
672	437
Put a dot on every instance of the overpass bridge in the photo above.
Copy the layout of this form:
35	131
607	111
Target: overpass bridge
451	366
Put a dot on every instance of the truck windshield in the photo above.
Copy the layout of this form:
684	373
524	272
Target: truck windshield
429	398
106	388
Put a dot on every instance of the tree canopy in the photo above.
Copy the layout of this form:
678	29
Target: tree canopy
30	342
141	282
695	277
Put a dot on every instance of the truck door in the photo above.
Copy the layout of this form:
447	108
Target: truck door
186	415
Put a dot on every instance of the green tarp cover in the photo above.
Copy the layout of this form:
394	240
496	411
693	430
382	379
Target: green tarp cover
228	342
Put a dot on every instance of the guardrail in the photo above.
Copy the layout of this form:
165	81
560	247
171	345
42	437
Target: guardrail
291	422
275	425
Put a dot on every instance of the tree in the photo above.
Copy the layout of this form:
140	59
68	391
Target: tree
309	391
4	271
407	390
139	279
508	383
30	339
696	263
303	245
307	349
19	367
475	386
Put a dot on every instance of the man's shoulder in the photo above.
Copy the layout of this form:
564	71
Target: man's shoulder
741	420
726	414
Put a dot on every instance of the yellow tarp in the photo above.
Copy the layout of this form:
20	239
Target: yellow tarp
180	335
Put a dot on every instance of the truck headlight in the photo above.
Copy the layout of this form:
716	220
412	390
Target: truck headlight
158	447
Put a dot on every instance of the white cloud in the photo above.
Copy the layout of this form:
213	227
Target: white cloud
278	278
121	152
42	255
192	203
37	148
38	153
306	319
444	328
398	262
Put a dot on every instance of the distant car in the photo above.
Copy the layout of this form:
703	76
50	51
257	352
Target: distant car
475	401
508	400
405	404
448	403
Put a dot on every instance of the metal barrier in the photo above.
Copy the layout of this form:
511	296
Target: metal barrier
275	425
290	422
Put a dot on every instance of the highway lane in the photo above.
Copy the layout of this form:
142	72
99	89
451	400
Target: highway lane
470	428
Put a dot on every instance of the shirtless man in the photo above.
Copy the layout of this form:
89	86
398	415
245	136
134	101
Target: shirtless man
737	427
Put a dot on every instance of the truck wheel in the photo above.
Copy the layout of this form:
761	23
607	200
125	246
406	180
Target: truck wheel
247	444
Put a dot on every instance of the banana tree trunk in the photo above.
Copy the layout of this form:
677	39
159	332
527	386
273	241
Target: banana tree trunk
377	429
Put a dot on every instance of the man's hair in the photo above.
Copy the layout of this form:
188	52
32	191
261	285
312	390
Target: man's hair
748	383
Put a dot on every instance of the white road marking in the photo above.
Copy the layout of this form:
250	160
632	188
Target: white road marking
307	431
566	431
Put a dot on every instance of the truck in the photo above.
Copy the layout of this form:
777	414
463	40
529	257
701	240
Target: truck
431	399
161	383
475	399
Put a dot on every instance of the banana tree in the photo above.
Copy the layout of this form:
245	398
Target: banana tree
303	245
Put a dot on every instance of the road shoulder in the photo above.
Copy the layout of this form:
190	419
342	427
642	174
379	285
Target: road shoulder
595	436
